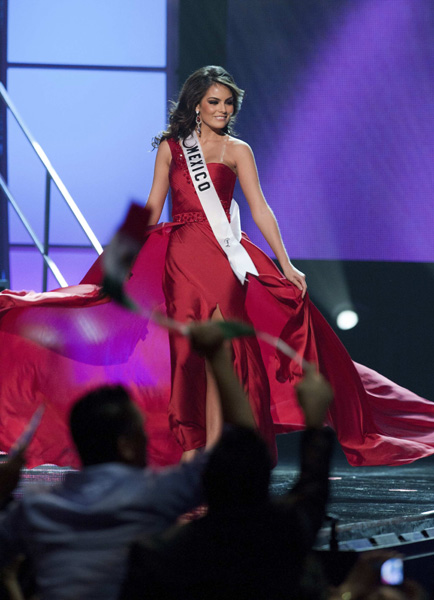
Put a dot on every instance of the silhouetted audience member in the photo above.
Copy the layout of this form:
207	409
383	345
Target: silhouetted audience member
363	582
78	533
247	546
10	471
16	578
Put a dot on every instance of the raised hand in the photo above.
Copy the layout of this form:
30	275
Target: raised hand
10	471
314	396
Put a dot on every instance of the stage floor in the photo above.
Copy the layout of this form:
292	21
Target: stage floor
366	502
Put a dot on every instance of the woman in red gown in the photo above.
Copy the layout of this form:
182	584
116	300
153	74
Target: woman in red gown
55	346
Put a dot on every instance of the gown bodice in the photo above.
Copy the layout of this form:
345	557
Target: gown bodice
184	198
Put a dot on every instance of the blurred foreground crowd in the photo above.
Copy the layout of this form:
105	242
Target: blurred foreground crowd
205	529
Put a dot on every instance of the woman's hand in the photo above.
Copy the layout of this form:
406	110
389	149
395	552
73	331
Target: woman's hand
297	278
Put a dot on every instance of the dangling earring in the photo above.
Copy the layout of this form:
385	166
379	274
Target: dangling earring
198	123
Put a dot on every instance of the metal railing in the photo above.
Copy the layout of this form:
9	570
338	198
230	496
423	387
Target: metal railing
51	176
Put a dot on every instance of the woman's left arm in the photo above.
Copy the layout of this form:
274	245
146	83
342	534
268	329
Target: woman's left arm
262	213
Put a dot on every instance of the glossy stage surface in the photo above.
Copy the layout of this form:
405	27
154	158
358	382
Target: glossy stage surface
366	503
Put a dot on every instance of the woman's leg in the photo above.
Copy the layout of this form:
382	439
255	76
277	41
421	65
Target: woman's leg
214	416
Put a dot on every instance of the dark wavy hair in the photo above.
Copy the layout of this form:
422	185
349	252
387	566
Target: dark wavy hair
182	114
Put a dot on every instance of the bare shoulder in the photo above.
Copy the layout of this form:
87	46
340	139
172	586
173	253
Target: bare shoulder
164	147
239	151
164	153
239	146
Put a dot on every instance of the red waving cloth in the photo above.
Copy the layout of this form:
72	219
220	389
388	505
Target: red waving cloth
58	345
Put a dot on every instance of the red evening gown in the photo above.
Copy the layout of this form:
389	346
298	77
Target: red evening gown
57	345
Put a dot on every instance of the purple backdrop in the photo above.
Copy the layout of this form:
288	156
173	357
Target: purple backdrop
342	106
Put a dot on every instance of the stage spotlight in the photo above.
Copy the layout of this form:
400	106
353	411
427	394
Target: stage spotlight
347	319
328	287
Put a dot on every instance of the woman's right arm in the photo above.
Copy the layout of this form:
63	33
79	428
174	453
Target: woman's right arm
160	183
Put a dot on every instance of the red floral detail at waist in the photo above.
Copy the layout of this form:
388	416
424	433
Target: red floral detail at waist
194	217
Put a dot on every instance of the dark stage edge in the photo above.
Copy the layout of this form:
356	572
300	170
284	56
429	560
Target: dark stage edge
372	506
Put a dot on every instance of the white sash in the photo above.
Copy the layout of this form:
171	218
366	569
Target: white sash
227	234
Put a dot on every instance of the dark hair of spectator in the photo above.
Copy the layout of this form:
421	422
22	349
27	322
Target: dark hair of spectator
97	421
